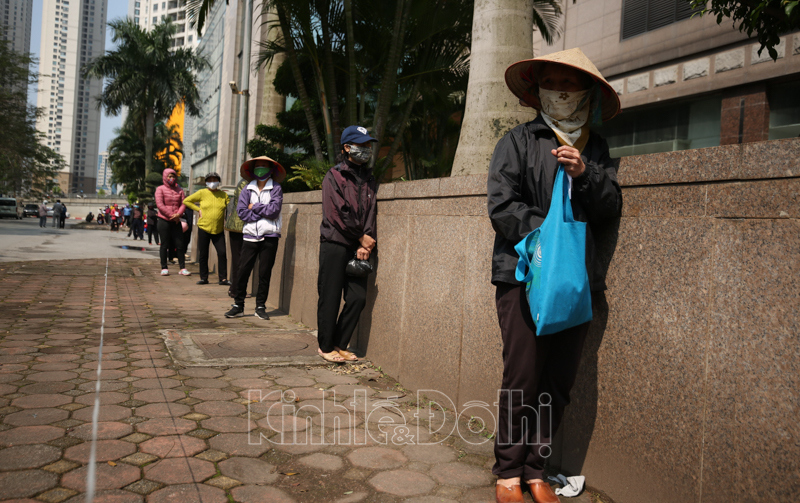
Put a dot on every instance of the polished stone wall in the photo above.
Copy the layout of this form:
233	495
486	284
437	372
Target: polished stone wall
688	389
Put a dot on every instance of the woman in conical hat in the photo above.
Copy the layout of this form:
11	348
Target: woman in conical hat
539	371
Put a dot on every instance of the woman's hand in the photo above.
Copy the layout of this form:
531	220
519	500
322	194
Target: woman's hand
571	159
367	242
362	254
175	217
250	206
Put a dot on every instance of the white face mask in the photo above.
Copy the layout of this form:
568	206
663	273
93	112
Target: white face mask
212	185
562	105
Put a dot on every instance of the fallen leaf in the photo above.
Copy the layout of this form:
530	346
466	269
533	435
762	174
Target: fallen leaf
111	463
289	473
349	492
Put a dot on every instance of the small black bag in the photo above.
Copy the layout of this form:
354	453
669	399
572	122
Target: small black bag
358	268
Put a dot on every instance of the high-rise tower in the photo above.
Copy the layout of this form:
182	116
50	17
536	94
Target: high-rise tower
148	13
15	24
73	32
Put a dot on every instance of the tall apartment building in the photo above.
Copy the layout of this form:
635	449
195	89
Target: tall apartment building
73	32
148	13
684	81
15	25
103	172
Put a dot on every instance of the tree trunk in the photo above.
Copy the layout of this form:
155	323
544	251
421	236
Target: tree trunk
403	122
491	109
326	118
330	78
389	80
298	78
351	60
149	125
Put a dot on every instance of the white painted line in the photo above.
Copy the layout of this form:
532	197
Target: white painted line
91	475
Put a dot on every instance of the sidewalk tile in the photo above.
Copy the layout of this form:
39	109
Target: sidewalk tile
26	483
191	493
248	470
179	470
402	483
260	494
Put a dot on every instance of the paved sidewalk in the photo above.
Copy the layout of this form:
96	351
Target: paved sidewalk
174	434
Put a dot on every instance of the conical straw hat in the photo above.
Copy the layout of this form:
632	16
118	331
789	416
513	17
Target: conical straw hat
246	170
522	78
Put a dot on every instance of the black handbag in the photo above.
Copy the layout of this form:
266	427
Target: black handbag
358	268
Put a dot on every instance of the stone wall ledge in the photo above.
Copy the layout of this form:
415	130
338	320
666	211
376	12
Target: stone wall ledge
774	159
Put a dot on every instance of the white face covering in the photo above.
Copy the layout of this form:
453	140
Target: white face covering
560	112
212	185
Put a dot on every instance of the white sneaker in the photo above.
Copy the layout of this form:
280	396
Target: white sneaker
184	272
165	272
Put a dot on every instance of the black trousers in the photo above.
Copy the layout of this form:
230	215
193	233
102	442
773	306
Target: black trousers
137	227
203	240
152	230
171	237
538	374
265	251
332	282
236	239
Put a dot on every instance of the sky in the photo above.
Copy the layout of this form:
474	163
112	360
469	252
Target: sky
116	9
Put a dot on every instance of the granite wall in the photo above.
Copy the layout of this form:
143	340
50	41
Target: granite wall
688	390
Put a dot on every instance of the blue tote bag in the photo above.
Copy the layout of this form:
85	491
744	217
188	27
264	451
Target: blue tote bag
552	264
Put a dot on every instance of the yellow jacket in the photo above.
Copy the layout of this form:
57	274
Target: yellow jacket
212	206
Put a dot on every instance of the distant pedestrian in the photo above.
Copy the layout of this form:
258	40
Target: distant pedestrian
63	216
234	226
57	213
211	205
137	222
259	207
42	215
169	201
348	230
126	217
115	218
152	224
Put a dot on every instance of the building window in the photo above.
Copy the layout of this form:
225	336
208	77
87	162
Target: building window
784	111
641	16
681	125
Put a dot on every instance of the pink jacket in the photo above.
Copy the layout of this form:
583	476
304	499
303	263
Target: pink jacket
169	200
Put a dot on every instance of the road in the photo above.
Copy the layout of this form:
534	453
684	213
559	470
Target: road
24	240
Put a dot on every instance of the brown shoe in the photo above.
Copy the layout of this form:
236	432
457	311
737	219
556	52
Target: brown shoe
542	493
505	494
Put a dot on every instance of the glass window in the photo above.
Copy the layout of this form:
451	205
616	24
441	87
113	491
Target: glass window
640	16
678	126
784	111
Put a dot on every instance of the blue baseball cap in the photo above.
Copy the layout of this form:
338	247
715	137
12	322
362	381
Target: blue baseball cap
356	134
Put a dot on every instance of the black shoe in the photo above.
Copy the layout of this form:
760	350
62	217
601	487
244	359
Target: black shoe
202	282
261	312
235	312
225	282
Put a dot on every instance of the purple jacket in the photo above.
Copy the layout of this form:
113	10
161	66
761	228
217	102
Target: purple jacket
263	220
349	206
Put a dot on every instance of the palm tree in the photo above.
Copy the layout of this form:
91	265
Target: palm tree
145	73
491	109
198	10
126	155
